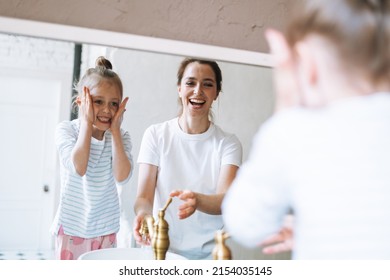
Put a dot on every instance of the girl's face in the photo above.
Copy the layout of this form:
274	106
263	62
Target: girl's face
106	99
197	89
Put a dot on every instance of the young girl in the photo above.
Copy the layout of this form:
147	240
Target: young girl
326	157
95	155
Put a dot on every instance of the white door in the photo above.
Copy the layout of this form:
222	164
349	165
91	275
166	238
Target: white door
28	116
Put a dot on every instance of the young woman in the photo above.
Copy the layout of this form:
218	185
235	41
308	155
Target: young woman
190	159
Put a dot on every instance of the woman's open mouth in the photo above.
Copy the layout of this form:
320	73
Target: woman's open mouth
197	102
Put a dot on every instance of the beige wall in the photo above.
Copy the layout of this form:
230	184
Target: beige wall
228	23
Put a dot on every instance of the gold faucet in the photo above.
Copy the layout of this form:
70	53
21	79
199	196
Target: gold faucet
221	251
157	232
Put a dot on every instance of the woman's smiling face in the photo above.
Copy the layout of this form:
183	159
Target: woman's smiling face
197	89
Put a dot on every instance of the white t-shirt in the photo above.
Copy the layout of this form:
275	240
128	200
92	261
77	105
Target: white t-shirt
188	161
332	167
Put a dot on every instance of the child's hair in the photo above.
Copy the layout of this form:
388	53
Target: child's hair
359	29
93	76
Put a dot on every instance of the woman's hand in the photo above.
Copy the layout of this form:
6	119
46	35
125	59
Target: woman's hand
190	202
117	119
136	228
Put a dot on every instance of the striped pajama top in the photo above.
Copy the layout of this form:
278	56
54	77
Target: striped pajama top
89	205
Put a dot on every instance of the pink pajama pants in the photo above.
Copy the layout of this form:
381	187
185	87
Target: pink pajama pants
71	247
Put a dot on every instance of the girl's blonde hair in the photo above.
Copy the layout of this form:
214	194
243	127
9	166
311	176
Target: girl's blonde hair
359	29
93	76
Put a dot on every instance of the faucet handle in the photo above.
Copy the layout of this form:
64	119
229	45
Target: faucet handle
166	204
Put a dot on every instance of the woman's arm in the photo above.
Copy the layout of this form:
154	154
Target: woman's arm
209	204
143	205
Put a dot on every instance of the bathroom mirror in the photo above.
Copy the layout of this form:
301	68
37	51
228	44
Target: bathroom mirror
147	67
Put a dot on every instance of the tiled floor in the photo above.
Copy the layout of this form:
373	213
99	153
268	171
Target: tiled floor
26	255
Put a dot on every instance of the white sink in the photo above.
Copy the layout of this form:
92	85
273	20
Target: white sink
126	254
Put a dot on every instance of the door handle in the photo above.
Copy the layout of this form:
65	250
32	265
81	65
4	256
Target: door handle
46	188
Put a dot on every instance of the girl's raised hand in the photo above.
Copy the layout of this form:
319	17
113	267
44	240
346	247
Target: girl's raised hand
118	117
84	102
285	77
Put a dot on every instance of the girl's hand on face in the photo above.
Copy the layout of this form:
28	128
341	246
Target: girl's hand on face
84	102
117	119
190	202
285	74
